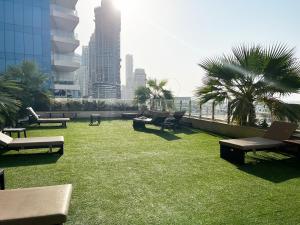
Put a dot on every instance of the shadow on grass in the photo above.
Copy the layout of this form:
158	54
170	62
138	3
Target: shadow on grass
273	169
17	160
45	127
186	130
163	134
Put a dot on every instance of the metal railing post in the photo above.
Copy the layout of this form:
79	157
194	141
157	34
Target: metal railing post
190	108
200	114
180	106
213	111
228	113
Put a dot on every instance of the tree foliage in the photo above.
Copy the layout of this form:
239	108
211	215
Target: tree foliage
9	105
250	75
154	91
21	86
32	81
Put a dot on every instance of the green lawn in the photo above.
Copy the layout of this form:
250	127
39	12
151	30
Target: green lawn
122	176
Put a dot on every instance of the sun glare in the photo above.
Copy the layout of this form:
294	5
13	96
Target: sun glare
127	6
120	4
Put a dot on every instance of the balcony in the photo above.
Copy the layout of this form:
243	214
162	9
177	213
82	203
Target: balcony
71	4
63	18
65	63
64	42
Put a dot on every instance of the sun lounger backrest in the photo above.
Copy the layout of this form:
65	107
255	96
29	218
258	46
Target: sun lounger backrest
280	131
33	113
4	139
159	117
178	115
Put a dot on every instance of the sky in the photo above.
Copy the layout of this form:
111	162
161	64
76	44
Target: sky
168	38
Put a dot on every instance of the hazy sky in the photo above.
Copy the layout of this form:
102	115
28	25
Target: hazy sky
169	37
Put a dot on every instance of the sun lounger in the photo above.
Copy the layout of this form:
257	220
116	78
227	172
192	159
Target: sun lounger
8	143
173	122
157	119
35	206
39	120
235	149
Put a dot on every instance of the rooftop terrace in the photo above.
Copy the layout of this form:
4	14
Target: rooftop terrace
122	176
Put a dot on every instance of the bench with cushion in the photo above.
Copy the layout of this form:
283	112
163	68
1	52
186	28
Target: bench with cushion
8	143
35	206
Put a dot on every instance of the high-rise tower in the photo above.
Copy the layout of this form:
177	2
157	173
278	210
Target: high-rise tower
129	92
106	77
64	20
41	31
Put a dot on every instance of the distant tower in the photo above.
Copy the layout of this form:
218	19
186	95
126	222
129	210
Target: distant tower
140	78
105	82
83	72
92	65
129	93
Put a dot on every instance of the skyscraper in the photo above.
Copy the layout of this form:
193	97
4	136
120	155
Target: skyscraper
140	78
64	20
105	80
82	74
41	31
134	80
129	90
25	34
92	64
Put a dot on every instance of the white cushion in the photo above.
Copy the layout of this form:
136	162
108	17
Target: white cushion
33	113
4	139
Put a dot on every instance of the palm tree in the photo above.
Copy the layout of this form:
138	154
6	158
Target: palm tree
142	94
32	81
9	105
155	91
252	75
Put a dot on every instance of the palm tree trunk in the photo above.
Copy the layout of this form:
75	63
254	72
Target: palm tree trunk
252	115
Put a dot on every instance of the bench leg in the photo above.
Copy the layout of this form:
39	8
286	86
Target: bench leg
138	125
2	181
64	124
232	155
61	150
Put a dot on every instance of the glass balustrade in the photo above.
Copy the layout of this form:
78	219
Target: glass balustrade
63	34
63	10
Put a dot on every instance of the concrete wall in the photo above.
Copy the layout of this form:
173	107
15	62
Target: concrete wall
227	130
85	114
224	129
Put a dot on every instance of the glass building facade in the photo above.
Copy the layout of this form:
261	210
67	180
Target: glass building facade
25	33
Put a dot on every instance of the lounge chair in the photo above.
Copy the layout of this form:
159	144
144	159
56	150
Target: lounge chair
8	143
173	122
234	150
35	206
39	120
157	119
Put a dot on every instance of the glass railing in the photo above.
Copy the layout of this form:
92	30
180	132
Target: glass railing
69	58
63	34
64	10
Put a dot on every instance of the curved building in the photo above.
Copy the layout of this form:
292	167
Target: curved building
65	62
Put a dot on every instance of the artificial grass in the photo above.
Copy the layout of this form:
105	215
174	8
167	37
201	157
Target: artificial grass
122	176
